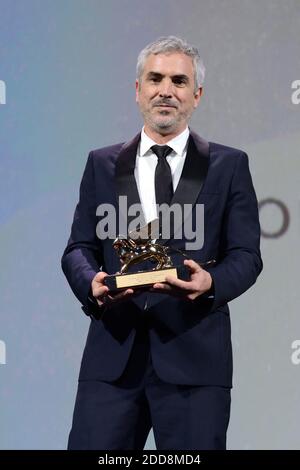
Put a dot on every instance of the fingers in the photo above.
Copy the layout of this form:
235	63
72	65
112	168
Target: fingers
100	277
161	286
172	282
164	288
99	289
185	285
193	266
120	296
178	287
102	294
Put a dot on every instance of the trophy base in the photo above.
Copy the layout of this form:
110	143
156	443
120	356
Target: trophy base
140	279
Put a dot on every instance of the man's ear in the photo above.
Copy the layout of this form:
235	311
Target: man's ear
137	91
197	96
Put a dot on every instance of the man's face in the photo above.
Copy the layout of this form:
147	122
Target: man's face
166	92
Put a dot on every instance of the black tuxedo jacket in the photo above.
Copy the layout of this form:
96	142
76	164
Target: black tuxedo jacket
190	341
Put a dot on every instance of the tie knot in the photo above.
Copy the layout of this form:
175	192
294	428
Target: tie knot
161	150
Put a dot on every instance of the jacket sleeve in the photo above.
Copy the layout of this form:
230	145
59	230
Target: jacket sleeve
239	262
82	258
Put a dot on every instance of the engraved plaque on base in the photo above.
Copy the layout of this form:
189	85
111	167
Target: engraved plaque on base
145	278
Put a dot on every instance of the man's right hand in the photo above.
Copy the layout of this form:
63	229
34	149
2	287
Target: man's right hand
101	292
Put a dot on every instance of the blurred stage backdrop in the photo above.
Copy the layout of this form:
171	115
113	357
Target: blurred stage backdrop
67	72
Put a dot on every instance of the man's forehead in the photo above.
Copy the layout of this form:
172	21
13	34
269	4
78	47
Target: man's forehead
176	60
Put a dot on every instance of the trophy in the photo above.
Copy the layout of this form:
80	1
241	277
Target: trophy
139	246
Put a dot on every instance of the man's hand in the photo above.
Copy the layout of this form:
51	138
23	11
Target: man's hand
199	283
101	292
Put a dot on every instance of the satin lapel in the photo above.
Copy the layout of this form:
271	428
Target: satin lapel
125	179
192	178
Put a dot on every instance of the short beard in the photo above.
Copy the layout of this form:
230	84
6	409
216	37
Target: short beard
163	127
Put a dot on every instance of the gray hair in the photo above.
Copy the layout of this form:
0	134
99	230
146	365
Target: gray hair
167	44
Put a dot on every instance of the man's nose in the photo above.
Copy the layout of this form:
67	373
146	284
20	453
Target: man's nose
166	88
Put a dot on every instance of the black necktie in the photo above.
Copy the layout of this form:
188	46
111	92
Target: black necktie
163	175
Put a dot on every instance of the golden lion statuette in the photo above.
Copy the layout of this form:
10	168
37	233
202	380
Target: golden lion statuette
139	246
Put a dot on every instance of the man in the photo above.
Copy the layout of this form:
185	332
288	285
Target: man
162	358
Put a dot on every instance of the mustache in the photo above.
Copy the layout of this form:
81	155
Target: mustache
165	102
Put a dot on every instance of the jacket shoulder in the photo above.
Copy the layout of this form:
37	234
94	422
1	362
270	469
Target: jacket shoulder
216	149
108	152
224	149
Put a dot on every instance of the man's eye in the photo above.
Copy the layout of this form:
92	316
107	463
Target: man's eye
179	82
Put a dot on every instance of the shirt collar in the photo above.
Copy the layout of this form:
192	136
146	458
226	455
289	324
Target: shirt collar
178	143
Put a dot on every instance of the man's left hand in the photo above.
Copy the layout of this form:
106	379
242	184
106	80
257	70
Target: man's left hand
199	283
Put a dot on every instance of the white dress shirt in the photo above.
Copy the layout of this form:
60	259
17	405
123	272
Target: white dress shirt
145	165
